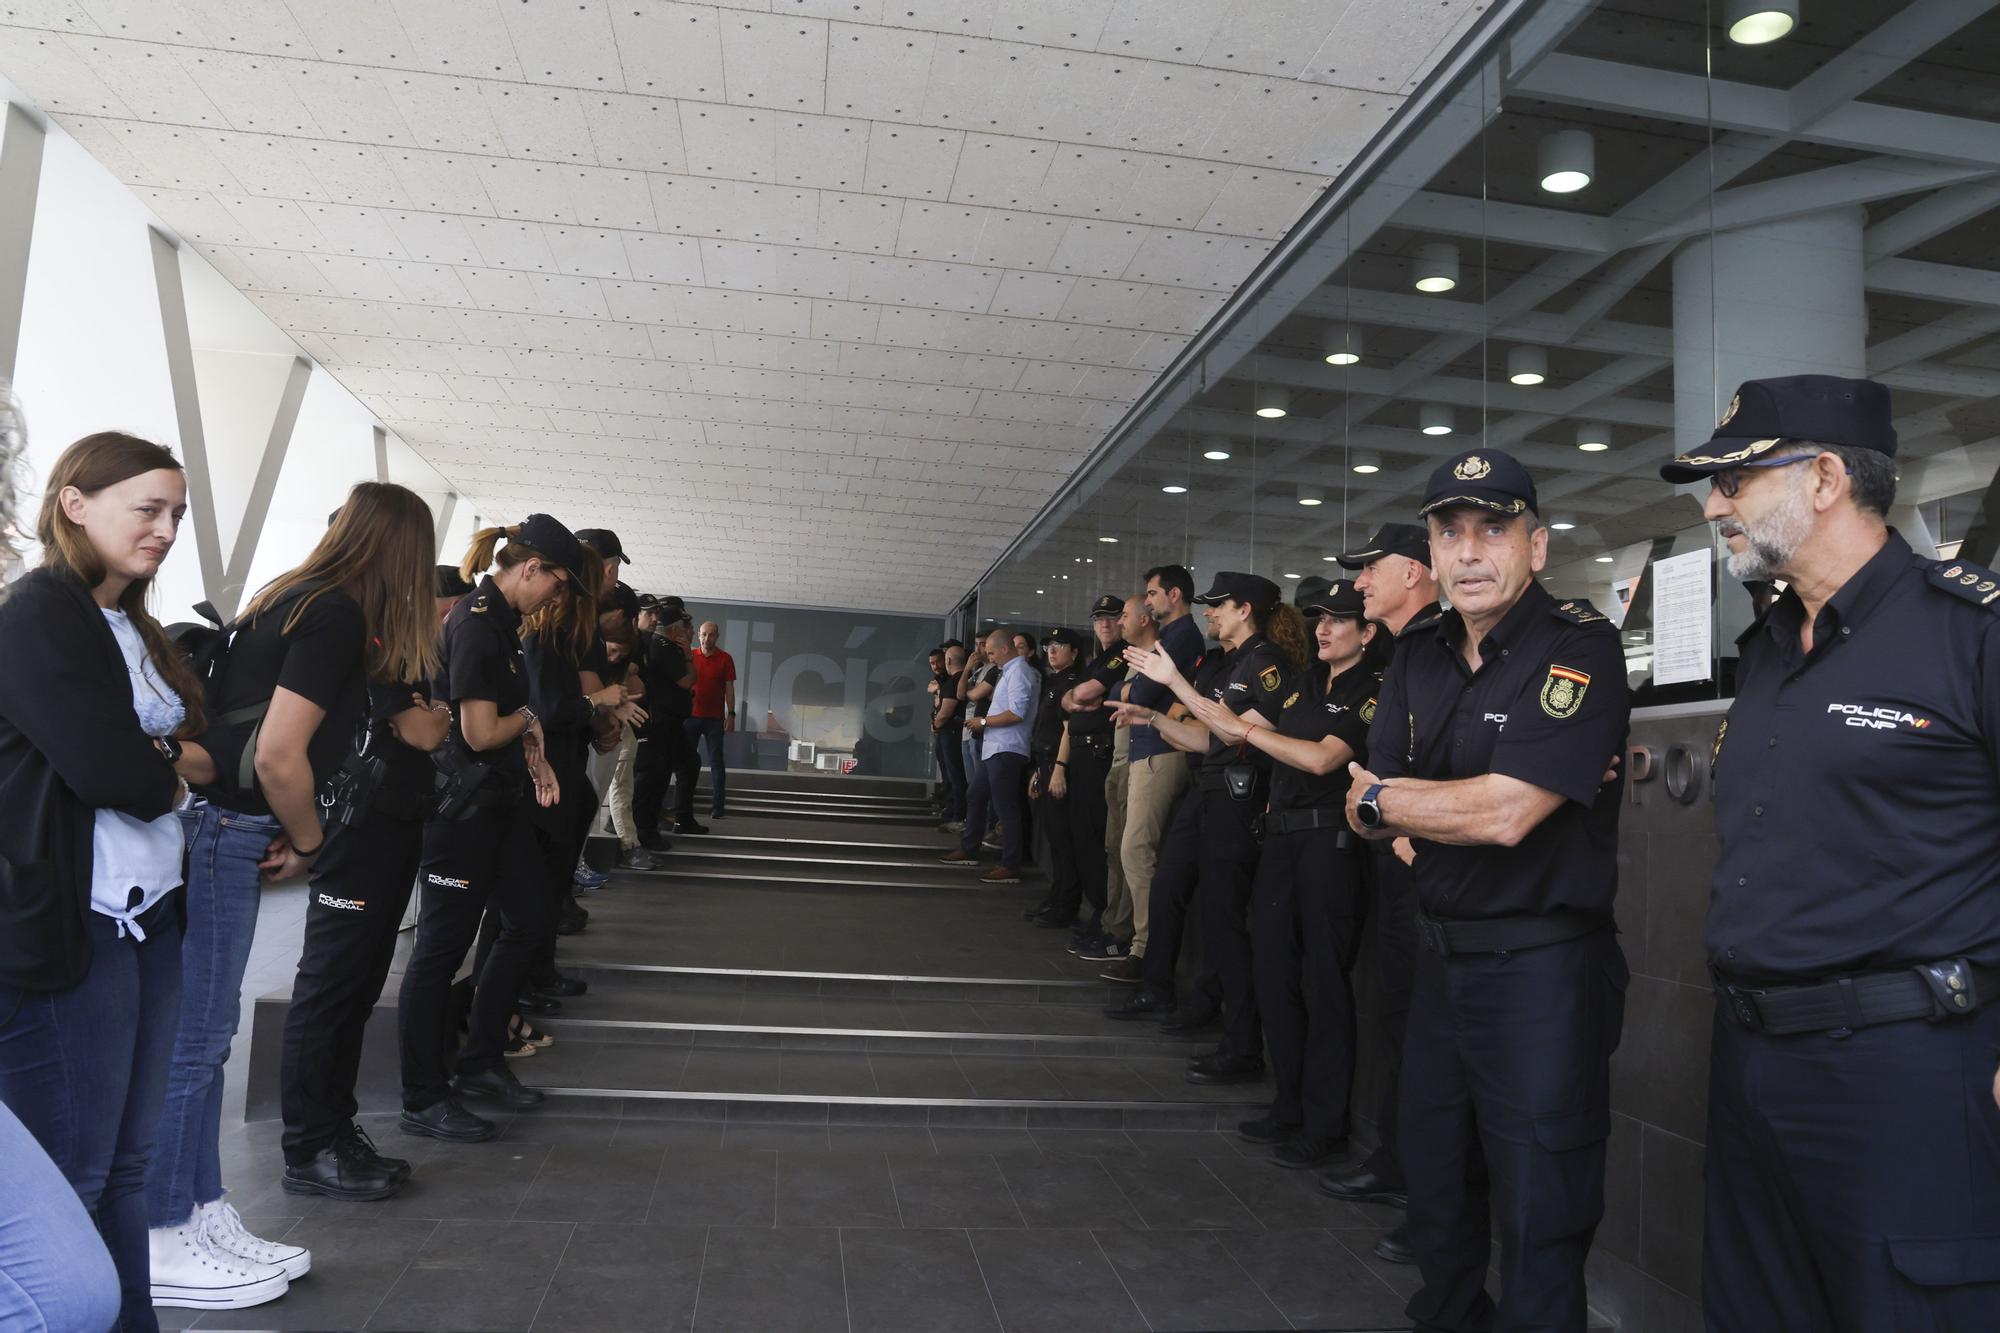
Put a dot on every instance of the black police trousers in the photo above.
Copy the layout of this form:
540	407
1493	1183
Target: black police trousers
1088	770
496	857
1509	1058
1854	1181
1305	915
1222	907
654	767
1392	926
564	827
354	903
1169	902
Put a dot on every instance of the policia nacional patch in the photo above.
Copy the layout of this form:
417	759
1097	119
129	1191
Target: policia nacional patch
1562	692
1269	679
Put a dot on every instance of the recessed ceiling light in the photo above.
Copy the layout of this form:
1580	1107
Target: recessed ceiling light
1217	455
1367	464
1273	401
1603	559
1291	576
1435	419
1527	366
1109	541
1343	346
1311	496
1593	437
1367	469
1435	267
1040	592
1567	159
1174	490
1331	559
1562	525
1755	22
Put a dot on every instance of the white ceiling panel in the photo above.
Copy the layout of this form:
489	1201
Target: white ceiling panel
804	271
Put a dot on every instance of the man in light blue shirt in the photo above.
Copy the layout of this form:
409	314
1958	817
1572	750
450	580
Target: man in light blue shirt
1004	754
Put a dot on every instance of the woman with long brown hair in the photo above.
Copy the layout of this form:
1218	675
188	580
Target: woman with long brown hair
286	698
94	706
480	847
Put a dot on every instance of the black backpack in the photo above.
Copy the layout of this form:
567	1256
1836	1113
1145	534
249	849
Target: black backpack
231	737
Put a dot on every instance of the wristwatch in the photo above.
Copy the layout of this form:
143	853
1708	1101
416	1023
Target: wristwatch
1369	808
169	747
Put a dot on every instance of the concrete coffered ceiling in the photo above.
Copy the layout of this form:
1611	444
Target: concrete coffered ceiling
812	300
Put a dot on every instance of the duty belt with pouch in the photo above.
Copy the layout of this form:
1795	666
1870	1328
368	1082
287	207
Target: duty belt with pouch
1090	744
1505	934
1935	991
1298	821
462	786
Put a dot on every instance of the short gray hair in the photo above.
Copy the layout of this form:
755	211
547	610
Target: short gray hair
1871	476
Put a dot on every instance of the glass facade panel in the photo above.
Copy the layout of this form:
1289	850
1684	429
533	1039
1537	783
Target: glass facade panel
1573	244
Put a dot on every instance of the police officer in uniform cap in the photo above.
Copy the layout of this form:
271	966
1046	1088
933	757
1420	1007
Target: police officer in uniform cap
1048	786
1087	763
1853	1165
1231	787
1491	737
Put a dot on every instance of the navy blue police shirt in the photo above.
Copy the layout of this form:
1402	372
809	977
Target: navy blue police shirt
480	658
1549	706
1855	790
1182	642
1045	735
1108	669
1315	709
1257	678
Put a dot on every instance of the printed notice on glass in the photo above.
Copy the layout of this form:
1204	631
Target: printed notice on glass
1683	642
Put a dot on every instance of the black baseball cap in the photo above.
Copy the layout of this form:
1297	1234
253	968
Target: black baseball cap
1485	478
556	543
1817	409
1307	588
1404	539
1339	600
1108	605
622	598
1065	636
1231	586
450	583
605	542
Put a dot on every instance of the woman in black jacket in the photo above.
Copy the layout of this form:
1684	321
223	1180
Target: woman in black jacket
92	696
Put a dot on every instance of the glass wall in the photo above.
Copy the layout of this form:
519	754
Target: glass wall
1573	244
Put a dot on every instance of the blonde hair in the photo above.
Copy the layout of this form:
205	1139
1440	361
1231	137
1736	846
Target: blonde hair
380	550
91	464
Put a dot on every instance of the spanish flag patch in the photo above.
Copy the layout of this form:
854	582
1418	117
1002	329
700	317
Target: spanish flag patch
1562	692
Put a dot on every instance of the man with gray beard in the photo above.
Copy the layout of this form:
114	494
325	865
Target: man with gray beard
1853	1164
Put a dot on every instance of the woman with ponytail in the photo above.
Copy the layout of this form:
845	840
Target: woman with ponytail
95	709
481	847
1266	643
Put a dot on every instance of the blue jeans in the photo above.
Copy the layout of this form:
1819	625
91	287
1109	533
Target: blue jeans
975	785
707	730
54	1272
997	793
84	1069
223	889
951	764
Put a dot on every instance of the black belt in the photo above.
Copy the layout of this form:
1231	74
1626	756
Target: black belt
1937	990
1505	934
1298	821
1098	745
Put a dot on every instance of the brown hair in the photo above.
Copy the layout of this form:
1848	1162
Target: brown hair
486	551
91	464
570	620
380	550
1285	627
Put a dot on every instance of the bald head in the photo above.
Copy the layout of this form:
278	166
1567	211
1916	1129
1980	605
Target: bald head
710	632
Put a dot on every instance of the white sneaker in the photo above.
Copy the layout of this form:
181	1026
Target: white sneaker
190	1273
225	1232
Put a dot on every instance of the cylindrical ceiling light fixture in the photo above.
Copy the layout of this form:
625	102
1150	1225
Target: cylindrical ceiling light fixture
1562	523
1527	365
1568	159
1593	437
1755	22
1367	464
1435	419
1217	450
1435	267
1273	401
1343	346
1311	496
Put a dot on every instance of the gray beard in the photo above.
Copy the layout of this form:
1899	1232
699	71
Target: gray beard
1770	544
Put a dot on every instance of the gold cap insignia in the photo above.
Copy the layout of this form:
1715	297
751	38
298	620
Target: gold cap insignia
1734	403
1472	468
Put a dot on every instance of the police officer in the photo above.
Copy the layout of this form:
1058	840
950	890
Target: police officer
478	847
1267	646
1048	744
665	757
1087	766
1492	734
1306	909
1398	592
1854	923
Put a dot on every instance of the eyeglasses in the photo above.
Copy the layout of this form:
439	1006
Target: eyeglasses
1731	482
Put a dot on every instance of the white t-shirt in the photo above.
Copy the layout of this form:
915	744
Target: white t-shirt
137	862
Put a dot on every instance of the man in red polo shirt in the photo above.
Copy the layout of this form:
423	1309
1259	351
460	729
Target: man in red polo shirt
714	716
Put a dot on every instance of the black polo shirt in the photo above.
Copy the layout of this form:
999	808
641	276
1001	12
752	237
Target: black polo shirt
1313	711
1108	669
1045	735
947	683
1855	790
1549	706
408	780
480	658
1258	678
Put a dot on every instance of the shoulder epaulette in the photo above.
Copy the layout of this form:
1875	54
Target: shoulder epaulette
1579	613
1420	624
480	606
1975	583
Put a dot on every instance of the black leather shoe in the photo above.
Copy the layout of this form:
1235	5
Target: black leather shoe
1395	1247
1038	911
358	1143
558	984
1220	1068
571	919
449	1121
689	826
1052	921
656	843
535	1003
499	1085
1304	1152
1190	1020
340	1174
1264	1129
1145	1004
1362	1184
